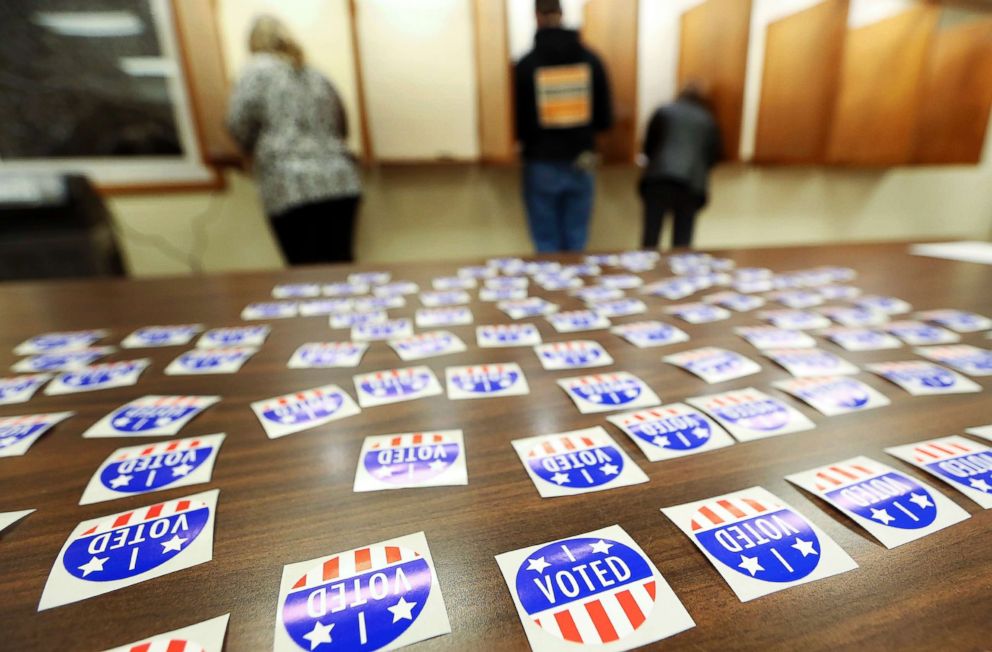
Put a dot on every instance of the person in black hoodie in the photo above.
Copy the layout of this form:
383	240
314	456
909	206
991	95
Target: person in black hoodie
562	100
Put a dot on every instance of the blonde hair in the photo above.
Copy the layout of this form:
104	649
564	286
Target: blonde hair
269	34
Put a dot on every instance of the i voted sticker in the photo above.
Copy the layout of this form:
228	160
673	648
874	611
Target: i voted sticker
445	283
918	333
713	364
619	308
749	414
923	378
502	294
237	336
758	543
673	289
324	355
9	518
888	305
322	307
210	361
62	360
17	434
965	358
698	313
960	321
153	467
436	317
589	591
985	432
478	271
735	301
795	319
396	288
486	381
854	316
504	335
507	283
838	292
798	299
576	354
296	291
769	337
581	461
395	385
151	416
270	310
20	389
573	321
207	636
303	410
385	330
345	289
558	283
621	281
671	431
895	508
833	395
860	339
109	553
608	391
382	596
447	298
352	319
961	463
427	345
156	336
646	334
99	376
370	304
598	293
410	460
806	363
369	278
530	307
63	341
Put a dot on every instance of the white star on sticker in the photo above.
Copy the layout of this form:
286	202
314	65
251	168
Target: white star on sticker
609	469
920	499
121	422
881	515
93	565
437	465
750	564
163	421
981	485
7	441
175	544
805	547
319	634
661	440
287	419
700	432
384	471
560	478
601	546
120	481
181	470
402	610
537	564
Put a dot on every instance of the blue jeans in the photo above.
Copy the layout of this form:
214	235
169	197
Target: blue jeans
558	196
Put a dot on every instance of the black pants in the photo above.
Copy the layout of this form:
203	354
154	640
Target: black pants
662	197
321	232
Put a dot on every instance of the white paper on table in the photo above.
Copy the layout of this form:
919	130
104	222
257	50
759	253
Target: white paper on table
486	381
395	385
749	414
322	355
99	376
671	430
504	335
412	460
575	354
427	345
303	410
210	361
962	463
807	363
833	395
606	392
236	336
645	334
151	416
923	378
713	364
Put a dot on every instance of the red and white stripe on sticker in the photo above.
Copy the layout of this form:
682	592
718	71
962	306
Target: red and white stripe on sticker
605	618
353	563
727	510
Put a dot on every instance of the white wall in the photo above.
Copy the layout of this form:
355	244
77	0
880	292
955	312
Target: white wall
418	67
321	26
522	23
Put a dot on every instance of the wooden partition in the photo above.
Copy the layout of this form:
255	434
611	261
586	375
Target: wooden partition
801	69
494	70
881	89
957	95
713	47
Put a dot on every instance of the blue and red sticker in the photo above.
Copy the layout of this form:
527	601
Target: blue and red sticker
120	550
207	636
435	317
758	543
529	307
960	462
352	319
61	341
99	376
270	310
698	313
608	391
348	289
296	291
427	345
61	360
572	321
323	355
503	335
235	336
861	339
923	378
385	330
17	434
369	278
151	416
303	410
210	361
395	385
960	321
136	470
672	430
795	319
20	389
412	460
646	334
833	395
576	354
363	599
854	316
967	359
156	336
749	414
895	508
486	381
439	299
918	333
769	337
581	461
713	364
811	362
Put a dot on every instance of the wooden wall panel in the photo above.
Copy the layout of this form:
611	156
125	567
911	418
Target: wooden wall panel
881	89
203	63
713	47
495	74
799	85
610	29
957	95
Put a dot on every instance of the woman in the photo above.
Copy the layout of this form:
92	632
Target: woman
289	119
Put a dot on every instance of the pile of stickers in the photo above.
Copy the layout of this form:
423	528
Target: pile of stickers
594	588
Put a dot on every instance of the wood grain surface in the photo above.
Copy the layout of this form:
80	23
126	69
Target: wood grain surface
290	500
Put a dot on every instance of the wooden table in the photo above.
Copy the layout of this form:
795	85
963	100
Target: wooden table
291	499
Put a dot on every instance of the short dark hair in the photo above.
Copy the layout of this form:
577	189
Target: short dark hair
547	6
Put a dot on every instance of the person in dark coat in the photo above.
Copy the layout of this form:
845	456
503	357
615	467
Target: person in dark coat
681	146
